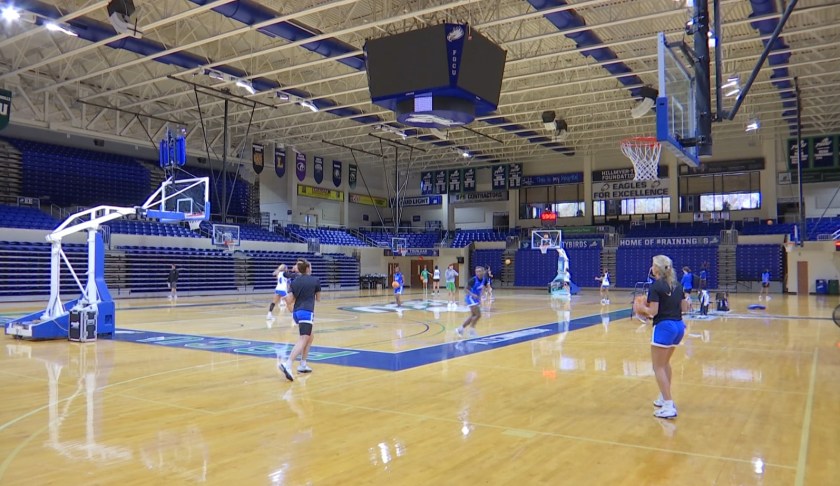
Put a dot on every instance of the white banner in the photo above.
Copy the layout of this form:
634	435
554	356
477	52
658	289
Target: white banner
603	191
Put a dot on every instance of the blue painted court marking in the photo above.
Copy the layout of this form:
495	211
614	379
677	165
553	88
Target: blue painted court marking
361	358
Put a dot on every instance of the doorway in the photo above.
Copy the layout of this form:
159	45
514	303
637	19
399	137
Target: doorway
802	278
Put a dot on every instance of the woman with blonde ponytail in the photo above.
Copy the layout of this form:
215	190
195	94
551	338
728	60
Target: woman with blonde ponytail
665	304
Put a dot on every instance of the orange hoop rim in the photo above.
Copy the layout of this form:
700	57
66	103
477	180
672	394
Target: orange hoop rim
639	141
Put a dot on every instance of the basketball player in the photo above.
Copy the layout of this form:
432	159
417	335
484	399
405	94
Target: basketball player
451	274
172	282
687	282
436	281
398	277
765	284
424	277
488	283
666	304
605	286
283	278
473	300
704	275
303	292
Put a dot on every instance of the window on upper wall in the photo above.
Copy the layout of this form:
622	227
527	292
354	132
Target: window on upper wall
565	200
720	192
642	205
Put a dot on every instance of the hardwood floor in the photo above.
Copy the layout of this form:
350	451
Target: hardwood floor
190	393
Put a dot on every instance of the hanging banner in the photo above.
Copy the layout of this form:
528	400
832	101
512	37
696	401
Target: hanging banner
723	167
318	170
5	108
500	177
368	200
672	242
514	176
319	192
804	153
824	152
300	165
352	173
336	173
478	197
553	179
454	181
582	243
623	174
426	183
606	191
440	182
280	161
469	179
435	200
257	157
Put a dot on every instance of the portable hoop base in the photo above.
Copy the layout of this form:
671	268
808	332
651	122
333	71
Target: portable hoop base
644	152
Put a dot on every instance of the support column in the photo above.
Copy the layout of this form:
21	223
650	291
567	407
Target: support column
588	206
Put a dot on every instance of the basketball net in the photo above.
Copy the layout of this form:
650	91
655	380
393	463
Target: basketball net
644	153
789	245
544	249
229	245
402	251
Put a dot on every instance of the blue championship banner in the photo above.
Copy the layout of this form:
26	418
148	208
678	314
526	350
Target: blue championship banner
257	157
514	176
336	173
500	177
319	170
440	182
454	181
426	183
279	161
469	179
352	175
300	166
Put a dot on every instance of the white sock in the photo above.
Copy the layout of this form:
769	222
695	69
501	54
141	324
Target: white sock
668	404
303	362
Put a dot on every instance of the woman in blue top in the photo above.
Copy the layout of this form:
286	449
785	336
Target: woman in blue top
687	282
398	277
666	305
765	284
473	299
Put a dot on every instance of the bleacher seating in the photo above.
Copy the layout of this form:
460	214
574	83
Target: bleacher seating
413	240
200	270
466	237
75	177
633	264
751	260
25	218
250	232
488	258
25	268
533	269
326	236
822	226
665	229
151	228
747	229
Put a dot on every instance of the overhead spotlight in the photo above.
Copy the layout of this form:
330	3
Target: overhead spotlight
548	118
215	74
732	86
10	13
712	39
64	29
647	102
308	104
246	85
753	124
393	130
439	133
562	131
280	95
463	152
121	16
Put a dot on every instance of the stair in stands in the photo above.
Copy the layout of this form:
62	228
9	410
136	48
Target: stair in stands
11	174
727	267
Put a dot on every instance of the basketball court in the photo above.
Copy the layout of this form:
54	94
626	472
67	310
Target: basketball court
199	384
418	105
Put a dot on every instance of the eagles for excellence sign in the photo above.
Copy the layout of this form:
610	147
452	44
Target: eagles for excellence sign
605	191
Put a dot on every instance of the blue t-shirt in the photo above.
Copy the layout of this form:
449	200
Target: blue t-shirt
687	281
398	277
476	285
703	274
304	288
765	277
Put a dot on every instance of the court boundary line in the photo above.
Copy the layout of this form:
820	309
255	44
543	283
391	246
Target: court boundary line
805	436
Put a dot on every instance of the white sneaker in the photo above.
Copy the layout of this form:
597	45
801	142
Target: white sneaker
760	297
459	331
472	332
269	317
603	301
659	402
304	369
666	412
286	371
768	297
607	301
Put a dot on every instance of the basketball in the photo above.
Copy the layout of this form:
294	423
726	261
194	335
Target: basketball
395	284
638	302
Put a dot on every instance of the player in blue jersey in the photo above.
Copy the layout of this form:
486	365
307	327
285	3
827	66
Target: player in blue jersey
398	278
687	282
473	289
765	284
304	291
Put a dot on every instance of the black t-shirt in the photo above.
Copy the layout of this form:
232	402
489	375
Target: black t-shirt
670	301
173	275
304	288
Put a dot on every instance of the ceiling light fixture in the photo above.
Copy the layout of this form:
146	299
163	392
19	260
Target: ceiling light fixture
753	124
10	13
648	96
246	85
64	29
308	104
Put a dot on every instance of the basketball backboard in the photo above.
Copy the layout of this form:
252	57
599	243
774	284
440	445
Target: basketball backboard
546	239
180	200
226	235
676	109
399	246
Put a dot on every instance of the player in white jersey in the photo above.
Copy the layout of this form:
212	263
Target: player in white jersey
436	281
283	278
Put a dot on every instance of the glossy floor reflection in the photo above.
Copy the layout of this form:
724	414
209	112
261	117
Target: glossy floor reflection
756	392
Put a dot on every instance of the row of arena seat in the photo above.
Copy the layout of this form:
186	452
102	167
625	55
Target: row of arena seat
151	228
752	260
533	269
413	240
487	258
466	237
326	236
25	268
25	218
633	264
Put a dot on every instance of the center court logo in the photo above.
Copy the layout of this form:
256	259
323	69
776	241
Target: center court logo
420	305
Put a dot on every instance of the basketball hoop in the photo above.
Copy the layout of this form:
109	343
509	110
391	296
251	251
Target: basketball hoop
230	245
402	251
789	246
644	153
544	249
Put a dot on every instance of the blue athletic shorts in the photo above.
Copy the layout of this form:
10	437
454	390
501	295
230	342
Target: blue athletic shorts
304	316
471	301
668	334
398	291
281	293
